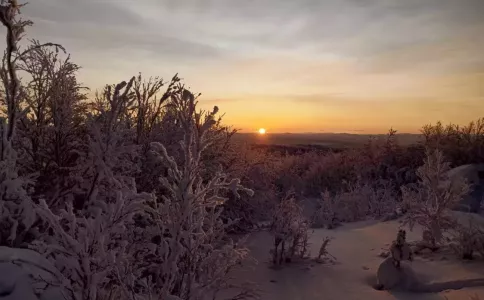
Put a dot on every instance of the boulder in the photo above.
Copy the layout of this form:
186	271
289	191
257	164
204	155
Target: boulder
389	277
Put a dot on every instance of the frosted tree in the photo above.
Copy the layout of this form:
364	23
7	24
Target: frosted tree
430	201
194	254
92	251
149	104
16	213
49	134
16	181
89	244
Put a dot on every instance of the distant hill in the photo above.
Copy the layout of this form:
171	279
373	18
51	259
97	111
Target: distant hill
319	140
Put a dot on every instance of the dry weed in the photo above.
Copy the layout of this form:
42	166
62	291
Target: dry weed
324	255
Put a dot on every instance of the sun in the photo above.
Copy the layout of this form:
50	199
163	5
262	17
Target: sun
262	131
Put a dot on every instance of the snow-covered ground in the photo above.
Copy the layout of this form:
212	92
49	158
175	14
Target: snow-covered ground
357	247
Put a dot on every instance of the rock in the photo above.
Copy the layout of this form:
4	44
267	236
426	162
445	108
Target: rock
390	277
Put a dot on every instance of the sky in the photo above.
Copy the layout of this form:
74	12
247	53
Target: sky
285	65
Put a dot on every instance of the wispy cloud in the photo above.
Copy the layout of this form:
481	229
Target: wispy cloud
308	55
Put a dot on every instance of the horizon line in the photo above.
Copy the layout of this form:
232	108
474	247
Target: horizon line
313	132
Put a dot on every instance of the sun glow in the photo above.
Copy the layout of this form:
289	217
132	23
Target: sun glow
262	131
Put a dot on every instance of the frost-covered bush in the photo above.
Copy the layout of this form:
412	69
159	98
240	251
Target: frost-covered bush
382	163
256	169
121	242
356	202
194	253
119	206
466	239
93	251
90	244
290	230
429	202
325	213
328	172
49	134
16	213
460	144
379	160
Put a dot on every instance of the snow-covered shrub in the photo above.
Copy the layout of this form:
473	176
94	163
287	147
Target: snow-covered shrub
379	197
290	230
90	244
193	253
92	251
16	212
291	169
466	238
357	202
354	203
148	107
49	134
256	169
460	144
380	159
328	172
429	201
325	213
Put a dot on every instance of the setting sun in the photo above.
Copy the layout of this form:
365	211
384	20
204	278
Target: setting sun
262	131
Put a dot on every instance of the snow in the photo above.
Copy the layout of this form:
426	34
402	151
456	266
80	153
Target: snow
17	269
357	247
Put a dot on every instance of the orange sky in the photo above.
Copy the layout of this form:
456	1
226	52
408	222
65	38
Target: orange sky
288	66
338	96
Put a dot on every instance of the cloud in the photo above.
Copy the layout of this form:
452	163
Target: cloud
68	12
341	27
336	56
96	38
345	28
104	26
230	29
